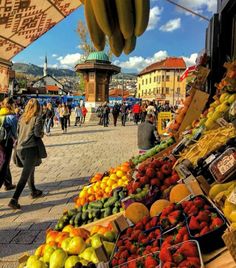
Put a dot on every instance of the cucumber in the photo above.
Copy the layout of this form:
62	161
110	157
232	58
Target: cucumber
121	195
90	214
107	212
77	218
98	204
72	212
84	216
117	204
72	220
115	210
85	207
110	202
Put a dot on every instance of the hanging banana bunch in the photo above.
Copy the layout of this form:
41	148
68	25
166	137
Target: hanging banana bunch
121	20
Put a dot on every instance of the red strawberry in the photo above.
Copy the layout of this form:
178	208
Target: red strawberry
124	254
174	216
177	258
174	178
192	210
133	249
199	202
150	262
216	223
132	264
138	226
154	221
205	230
114	262
203	224
194	224
165	255
203	216
183	230
120	261
194	260
145	220
155	243
154	249
188	249
178	238
157	233
120	243
168	209
129	231
185	237
141	236
144	241
168	265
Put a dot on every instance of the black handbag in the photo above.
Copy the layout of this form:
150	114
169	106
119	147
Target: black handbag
16	158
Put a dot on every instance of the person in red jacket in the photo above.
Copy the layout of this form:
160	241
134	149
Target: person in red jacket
136	111
84	112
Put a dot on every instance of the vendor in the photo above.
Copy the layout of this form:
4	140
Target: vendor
147	134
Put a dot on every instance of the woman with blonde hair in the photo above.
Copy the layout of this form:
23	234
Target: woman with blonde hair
8	135
29	150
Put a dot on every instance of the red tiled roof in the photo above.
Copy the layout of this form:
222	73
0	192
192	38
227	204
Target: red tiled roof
168	63
52	88
118	92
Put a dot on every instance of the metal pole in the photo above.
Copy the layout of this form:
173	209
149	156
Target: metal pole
174	88
188	10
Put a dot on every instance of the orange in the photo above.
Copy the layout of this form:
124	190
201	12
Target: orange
95	229
124	168
91	198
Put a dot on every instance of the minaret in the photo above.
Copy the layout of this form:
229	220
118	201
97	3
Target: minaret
45	66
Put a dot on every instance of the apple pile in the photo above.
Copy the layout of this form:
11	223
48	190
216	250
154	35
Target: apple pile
183	255
157	173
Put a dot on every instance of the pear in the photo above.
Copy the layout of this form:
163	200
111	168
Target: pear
58	258
31	260
65	243
224	97
87	254
96	241
224	107
71	261
109	247
47	254
232	98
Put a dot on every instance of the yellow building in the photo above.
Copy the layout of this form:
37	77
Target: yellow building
161	81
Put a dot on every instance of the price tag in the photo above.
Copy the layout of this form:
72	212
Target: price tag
210	159
232	197
222	122
226	164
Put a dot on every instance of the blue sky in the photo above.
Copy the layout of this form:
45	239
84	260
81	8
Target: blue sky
171	32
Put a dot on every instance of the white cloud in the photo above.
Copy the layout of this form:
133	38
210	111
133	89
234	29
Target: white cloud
154	17
70	60
171	25
138	63
54	55
199	5
191	60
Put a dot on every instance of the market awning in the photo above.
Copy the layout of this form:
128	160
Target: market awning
24	21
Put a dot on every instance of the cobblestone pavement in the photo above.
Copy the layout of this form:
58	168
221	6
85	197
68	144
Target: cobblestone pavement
72	158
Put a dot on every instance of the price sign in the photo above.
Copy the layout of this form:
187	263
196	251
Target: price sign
226	164
232	197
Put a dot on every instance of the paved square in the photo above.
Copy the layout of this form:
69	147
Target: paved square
72	159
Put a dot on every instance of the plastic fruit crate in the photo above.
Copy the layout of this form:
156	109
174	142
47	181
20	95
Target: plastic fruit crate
211	240
174	248
140	261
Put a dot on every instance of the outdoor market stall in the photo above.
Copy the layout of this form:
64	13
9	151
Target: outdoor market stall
174	206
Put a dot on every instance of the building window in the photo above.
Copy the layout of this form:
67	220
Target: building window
154	78
150	91
142	82
145	91
178	78
139	86
163	78
146	81
178	90
167	90
167	78
162	90
150	80
142	92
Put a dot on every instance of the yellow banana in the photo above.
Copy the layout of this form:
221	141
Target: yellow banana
105	14
116	42
130	44
217	188
125	14
142	9
96	34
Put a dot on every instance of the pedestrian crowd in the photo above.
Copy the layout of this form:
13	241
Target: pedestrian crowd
22	127
137	112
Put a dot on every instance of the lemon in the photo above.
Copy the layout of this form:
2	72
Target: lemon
232	216
120	173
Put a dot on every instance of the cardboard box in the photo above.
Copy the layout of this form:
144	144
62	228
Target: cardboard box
195	109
